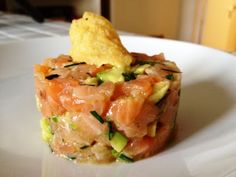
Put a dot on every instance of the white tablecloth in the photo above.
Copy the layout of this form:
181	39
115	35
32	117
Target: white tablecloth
19	27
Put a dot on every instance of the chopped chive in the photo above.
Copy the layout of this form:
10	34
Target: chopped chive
125	158
74	64
52	76
71	157
129	76
142	62
170	70
84	147
121	156
55	119
170	77
110	131
97	116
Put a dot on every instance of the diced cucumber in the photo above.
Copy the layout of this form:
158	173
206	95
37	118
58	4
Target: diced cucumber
160	89
46	130
151	130
118	141
114	75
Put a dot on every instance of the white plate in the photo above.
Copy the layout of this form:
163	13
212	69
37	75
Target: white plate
205	145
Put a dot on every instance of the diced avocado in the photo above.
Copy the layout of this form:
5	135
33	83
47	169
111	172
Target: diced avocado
114	75
160	89
118	141
91	81
140	69
151	130
46	130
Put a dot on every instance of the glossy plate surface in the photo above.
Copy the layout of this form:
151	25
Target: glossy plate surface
205	143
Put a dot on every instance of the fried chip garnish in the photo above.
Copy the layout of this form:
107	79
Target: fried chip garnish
95	41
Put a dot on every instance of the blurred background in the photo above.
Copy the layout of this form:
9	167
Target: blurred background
207	22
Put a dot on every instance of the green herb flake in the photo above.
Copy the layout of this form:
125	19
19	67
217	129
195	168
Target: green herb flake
55	119
97	116
170	77
129	76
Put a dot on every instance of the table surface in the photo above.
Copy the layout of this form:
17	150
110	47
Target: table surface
15	27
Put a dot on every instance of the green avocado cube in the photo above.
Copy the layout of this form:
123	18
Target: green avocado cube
160	89
118	141
46	130
114	75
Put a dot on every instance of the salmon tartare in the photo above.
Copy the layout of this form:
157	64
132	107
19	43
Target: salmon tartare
100	113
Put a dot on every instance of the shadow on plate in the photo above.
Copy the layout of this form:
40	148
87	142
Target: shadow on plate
201	105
